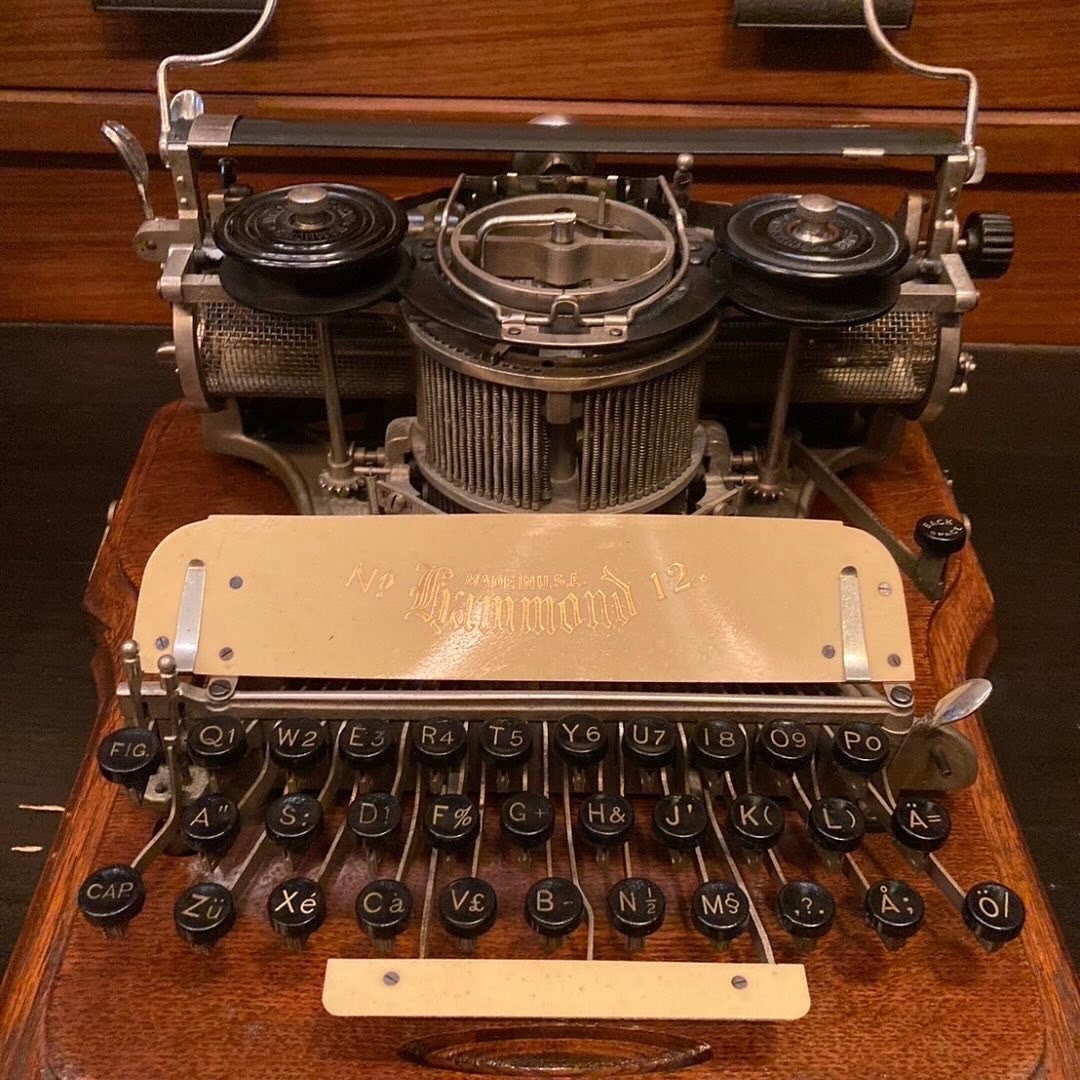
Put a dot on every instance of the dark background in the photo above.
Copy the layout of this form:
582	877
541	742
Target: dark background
75	401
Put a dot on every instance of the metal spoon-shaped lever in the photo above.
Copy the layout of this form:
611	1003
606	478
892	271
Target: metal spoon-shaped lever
134	157
960	703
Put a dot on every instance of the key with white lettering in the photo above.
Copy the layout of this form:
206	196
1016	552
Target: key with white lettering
527	820
836	826
806	910
111	897
636	908
580	741
507	743
993	913
203	914
217	744
383	910
717	745
650	742
366	745
130	756
860	748
374	819
680	821
920	825
439	743
894	910
468	908
451	822
554	908
293	821
756	822
210	824
296	909
299	745
606	819
720	910
786	745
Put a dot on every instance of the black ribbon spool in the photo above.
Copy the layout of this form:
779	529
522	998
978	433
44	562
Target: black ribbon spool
312	249
810	261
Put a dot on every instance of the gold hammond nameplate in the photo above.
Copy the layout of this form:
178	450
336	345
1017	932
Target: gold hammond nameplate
565	989
610	599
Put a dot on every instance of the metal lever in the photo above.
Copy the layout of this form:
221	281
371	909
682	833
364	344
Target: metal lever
134	158
960	703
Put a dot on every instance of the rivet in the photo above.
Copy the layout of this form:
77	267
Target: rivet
828	651
236	582
514	331
885	589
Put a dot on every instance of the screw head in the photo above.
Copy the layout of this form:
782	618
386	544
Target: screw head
894	660
828	651
236	582
900	695
225	653
219	689
161	643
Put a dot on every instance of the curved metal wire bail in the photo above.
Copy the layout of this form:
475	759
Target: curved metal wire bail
211	59
931	71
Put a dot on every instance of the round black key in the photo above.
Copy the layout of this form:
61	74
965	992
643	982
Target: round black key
298	744
894	909
129	756
649	742
756	821
383	908
527	819
451	821
506	741
366	744
606	819
786	745
217	744
720	910
438	743
296	908
554	907
993	912
468	907
940	534
860	748
920	824
717	744
374	818
111	897
837	824
210	824
636	907
293	821
805	909
581	740
204	913
680	821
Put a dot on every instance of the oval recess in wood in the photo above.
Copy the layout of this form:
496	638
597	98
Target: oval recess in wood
558	1049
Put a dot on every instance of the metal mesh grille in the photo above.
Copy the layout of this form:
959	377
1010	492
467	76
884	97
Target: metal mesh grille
637	439
889	361
251	354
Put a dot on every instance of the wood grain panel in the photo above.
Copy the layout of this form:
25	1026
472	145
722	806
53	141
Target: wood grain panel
938	1008
607	49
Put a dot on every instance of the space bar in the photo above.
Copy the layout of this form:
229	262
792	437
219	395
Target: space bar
562	989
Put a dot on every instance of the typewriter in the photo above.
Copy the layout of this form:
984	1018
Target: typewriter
580	719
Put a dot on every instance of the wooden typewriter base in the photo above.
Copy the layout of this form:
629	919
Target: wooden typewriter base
74	1004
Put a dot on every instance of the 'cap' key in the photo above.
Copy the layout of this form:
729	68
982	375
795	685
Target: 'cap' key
111	897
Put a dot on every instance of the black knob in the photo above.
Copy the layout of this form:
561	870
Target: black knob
993	912
203	914
606	819
894	910
217	744
717	744
636	908
860	747
527	819
366	744
129	756
296	909
506	741
756	821
720	910
940	534
786	745
438	743
383	908
680	821
989	241
293	821
111	897
837	824
299	744
805	909
581	740
451	822
210	824
468	908
649	742
920	824
554	907
374	818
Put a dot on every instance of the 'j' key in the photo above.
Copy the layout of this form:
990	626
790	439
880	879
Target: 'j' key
680	821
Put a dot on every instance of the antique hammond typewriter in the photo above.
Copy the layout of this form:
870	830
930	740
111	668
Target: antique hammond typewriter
586	716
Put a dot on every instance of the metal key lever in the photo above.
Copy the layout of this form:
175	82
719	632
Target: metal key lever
134	159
